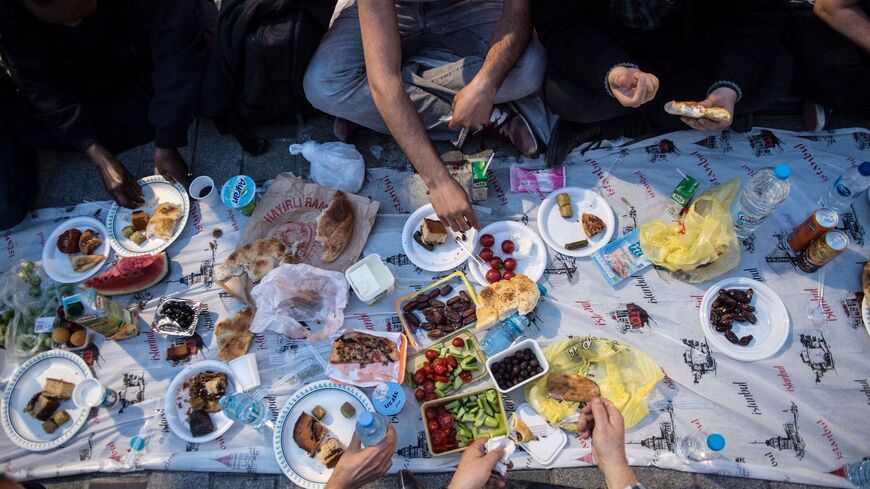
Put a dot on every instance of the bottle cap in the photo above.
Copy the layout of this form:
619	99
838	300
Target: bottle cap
365	419
782	171
716	442
542	289
864	168
388	398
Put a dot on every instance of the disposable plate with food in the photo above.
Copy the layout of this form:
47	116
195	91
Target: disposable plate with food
58	265
156	190
558	231
441	257
865	313
511	241
305	471
177	401
545	449
29	379
770	331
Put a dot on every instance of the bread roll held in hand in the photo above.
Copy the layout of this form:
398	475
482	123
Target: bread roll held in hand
694	110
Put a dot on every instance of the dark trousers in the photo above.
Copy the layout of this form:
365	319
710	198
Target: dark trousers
681	77
829	69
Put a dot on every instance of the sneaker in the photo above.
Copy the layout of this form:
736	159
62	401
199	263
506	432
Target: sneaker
514	129
814	116
344	129
568	135
408	481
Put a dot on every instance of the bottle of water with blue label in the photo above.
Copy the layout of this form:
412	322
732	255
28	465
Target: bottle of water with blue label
699	447
857	473
761	195
371	428
848	186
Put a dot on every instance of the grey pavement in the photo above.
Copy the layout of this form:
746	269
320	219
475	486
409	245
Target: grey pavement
67	179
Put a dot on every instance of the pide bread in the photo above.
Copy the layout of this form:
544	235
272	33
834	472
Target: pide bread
335	227
694	110
502	299
234	336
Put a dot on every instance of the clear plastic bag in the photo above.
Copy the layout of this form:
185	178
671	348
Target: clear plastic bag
335	165
702	245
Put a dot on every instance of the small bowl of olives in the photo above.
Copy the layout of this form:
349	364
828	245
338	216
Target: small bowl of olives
176	317
517	366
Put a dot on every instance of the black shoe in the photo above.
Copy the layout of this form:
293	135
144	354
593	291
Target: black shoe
244	133
408	481
568	135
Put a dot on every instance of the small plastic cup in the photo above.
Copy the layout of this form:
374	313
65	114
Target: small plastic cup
240	193
246	371
203	189
90	393
370	279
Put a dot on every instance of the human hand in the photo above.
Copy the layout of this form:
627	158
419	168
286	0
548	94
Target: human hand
452	206
472	106
475	468
632	87
359	466
721	97
169	164
600	419
117	180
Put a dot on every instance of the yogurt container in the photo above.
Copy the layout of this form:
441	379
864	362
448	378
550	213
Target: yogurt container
240	193
91	393
388	398
370	279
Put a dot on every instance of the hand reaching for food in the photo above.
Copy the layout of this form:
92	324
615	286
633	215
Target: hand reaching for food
632	87
452	206
169	164
475	468
119	183
359	466
722	101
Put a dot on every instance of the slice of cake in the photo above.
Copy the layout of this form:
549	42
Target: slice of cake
330	451
59	418
434	232
58	389
41	407
308	433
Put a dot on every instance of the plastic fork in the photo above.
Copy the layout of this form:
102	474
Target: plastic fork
468	252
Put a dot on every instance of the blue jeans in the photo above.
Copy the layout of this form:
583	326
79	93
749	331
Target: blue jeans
444	44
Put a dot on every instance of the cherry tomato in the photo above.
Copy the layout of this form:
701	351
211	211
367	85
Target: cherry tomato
493	275
433	425
438	437
458	343
486	254
466	377
431	355
419	377
428	386
419	394
442	378
495	262
510	264
430	397
507	246
431	414
440	369
508	275
451	360
487	240
446	421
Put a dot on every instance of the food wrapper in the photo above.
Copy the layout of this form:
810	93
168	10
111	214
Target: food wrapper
294	294
372	374
625	376
702	245
509	448
621	258
288	212
528	179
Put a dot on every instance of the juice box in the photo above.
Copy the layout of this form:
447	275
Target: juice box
103	315
480	182
681	197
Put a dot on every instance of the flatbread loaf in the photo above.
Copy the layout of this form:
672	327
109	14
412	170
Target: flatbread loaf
363	349
592	224
334	227
163	220
249	264
80	263
234	336
502	299
574	388
694	110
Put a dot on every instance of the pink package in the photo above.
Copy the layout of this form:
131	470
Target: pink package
537	179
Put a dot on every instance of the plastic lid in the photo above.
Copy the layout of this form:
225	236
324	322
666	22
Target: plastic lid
716	442
864	168
366	419
542	289
782	171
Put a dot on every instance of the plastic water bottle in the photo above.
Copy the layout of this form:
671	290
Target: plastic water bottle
858	473
699	447
851	183
503	334
371	428
246	408
760	197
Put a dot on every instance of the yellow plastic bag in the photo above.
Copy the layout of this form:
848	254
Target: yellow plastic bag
703	245
624	374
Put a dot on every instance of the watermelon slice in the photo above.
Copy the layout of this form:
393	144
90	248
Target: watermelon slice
131	274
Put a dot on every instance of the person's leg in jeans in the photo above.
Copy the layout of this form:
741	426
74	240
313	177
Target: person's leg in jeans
829	69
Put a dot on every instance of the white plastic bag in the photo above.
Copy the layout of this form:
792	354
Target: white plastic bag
334	165
291	294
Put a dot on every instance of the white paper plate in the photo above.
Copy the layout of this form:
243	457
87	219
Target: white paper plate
119	217
532	265
444	257
770	332
303	470
177	402
557	231
57	264
26	431
865	313
545	449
